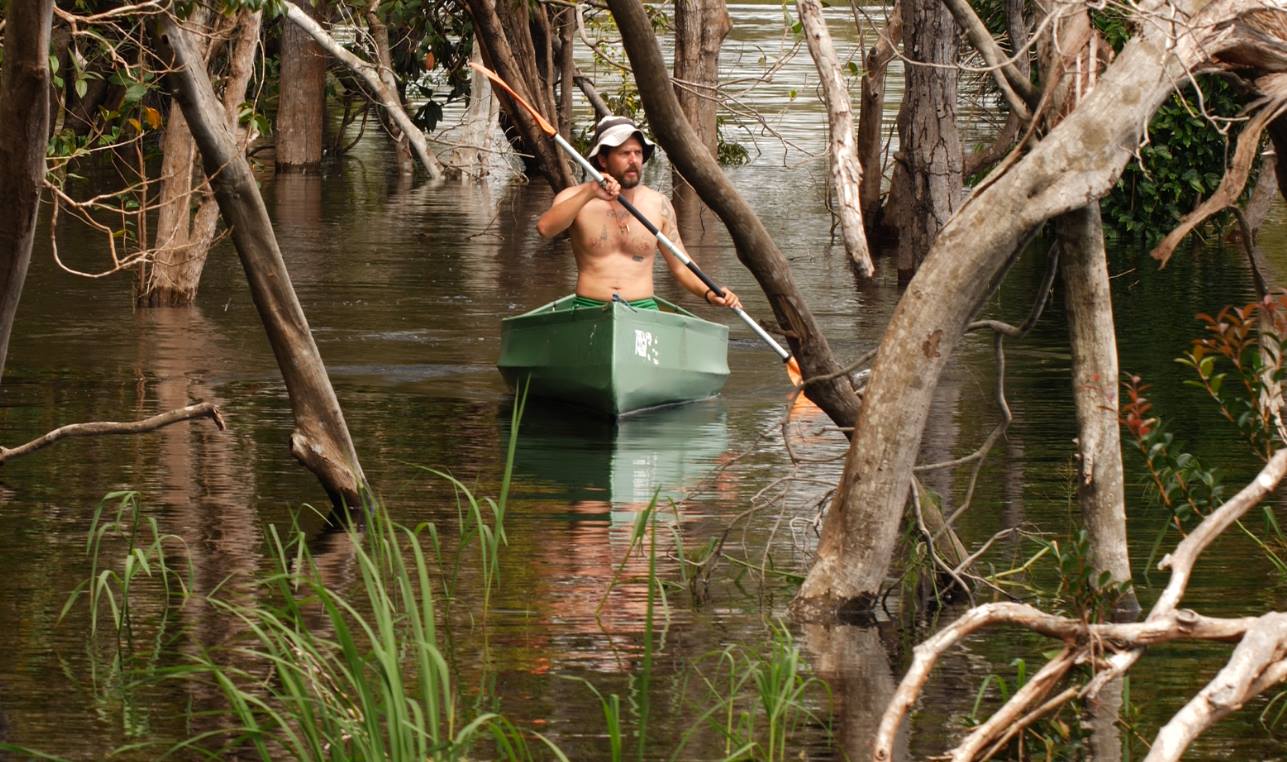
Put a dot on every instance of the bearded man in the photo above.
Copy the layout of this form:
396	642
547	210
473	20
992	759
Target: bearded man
614	252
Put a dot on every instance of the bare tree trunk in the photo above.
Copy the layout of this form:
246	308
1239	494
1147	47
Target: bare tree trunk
566	24
846	170
384	59
1077	162
927	184
1100	489
384	89
871	115
473	156
301	106
1017	31
183	238
507	59
700	29
755	248
1072	65
24	133
321	440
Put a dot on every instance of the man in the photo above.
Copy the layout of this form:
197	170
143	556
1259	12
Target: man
614	252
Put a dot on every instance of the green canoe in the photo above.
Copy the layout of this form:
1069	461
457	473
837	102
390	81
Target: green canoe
614	359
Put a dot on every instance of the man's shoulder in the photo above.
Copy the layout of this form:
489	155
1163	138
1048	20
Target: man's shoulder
653	196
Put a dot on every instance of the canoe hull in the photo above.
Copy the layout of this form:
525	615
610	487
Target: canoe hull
614	359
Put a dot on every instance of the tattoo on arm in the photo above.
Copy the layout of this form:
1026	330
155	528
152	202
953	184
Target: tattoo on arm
667	218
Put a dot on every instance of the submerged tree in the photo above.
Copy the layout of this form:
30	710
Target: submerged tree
1071	166
24	129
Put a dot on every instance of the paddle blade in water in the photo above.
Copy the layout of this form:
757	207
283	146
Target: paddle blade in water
545	126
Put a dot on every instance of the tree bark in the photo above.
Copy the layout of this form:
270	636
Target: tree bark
1077	162
500	56
384	61
927	184
566	24
1100	483
301	106
871	115
842	149
473	157
1072	64
183	237
24	133
381	83
321	440
755	248
700	29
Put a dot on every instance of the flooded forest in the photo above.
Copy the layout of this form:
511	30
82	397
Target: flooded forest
995	471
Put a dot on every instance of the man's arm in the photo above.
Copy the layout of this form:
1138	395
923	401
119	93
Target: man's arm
569	202
686	277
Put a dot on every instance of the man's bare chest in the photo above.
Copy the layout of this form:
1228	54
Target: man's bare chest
614	231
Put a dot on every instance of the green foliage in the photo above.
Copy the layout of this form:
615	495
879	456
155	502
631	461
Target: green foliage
1189	144
1082	590
755	699
1242	345
1239	366
1179	480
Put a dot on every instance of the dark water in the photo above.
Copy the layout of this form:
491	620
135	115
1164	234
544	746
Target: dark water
404	287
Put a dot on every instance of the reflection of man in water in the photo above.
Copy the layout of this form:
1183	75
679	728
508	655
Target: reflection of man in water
614	252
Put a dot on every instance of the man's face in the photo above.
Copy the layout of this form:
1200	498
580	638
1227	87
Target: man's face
625	162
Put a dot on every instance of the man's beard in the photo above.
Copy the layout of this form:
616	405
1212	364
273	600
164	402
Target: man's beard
630	182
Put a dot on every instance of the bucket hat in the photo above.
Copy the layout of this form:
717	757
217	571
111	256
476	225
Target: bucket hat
612	131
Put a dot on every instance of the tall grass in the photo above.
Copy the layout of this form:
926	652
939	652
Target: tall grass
361	668
326	675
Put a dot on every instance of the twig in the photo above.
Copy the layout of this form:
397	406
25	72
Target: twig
97	428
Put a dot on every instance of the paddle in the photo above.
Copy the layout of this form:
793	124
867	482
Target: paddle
793	368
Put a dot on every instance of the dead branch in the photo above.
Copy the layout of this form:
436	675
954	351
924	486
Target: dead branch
1232	184
1256	664
1251	668
98	428
846	170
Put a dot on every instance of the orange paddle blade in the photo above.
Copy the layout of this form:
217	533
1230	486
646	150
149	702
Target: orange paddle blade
793	371
545	126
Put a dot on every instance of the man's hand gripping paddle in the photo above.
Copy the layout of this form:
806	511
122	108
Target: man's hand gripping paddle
792	367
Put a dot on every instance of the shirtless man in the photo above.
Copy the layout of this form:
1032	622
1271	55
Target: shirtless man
614	253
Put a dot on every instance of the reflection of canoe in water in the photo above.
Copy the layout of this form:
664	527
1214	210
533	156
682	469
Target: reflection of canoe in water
618	462
614	359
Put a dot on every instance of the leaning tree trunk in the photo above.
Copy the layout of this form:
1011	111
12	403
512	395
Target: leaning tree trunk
927	185
1076	163
700	29
384	59
755	248
184	237
842	148
24	133
383	87
301	105
321	440
519	72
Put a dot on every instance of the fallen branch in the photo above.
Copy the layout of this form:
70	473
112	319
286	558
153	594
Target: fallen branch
1256	664
98	428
